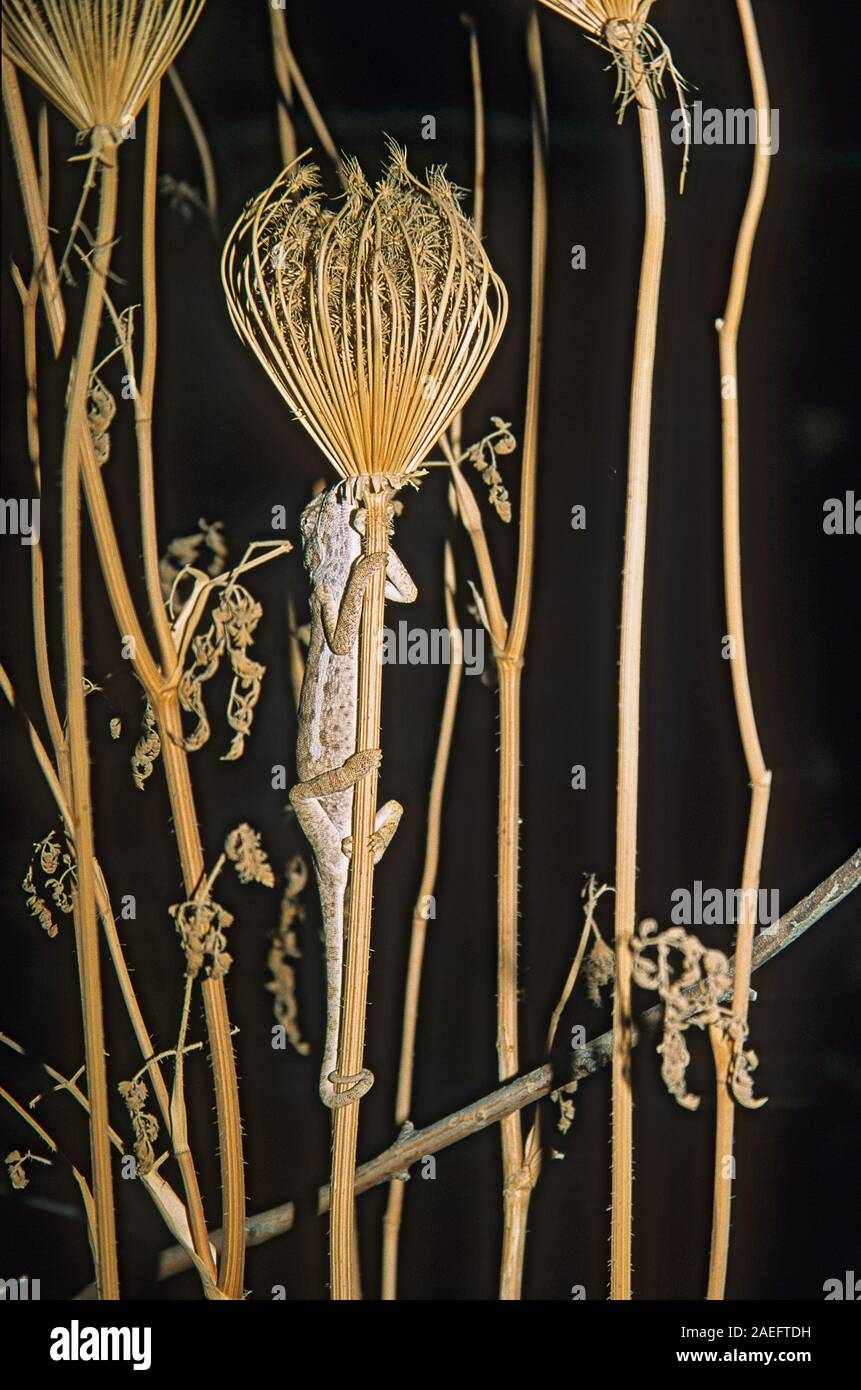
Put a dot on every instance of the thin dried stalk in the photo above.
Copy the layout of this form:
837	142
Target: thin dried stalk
758	774
621	27
629	687
418	934
86	927
280	52
198	135
343	1253
520	1170
34	206
289	75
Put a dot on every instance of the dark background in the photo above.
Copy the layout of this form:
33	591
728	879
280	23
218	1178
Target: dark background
227	449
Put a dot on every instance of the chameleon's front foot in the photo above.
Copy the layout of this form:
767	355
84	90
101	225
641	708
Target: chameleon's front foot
358	1086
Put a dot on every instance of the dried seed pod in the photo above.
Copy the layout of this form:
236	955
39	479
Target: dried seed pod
375	321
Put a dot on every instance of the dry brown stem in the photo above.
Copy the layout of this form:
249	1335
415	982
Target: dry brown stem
758	774
345	1119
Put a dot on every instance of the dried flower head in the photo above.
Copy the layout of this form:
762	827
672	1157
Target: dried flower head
97	60
595	15
375	320
638	53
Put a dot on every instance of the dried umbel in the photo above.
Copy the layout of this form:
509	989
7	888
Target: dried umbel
97	60
595	15
639	54
376	319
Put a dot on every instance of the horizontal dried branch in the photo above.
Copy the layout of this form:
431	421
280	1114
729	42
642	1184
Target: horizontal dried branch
413	1144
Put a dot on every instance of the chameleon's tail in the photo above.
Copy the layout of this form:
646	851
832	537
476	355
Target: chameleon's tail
359	1085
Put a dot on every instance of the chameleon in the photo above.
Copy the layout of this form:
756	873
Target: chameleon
328	765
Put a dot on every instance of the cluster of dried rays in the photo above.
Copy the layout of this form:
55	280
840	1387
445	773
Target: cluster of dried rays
375	321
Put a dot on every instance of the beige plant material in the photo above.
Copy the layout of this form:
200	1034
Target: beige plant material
691	998
732	1076
284	950
421	917
375	321
147	749
245	852
144	1125
509	646
114	64
640	58
97	60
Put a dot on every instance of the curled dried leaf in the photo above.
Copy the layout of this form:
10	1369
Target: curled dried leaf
144	1125
234	621
147	749
243	849
60	881
17	1173
202	927
691	996
284	949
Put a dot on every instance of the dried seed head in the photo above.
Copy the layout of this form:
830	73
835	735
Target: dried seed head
375	320
97	60
600	17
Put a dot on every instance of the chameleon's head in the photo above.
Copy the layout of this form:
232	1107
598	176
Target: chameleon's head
328	533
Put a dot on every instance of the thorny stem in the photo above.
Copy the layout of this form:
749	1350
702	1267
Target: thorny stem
343	1256
86	926
403	1104
509	643
589	1060
758	774
177	775
629	685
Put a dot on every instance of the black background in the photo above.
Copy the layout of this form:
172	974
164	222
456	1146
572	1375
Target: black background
228	449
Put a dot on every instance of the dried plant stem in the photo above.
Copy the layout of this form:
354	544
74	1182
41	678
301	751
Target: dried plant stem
519	1176
280	50
34	208
86	926
201	143
165	703
193	1214
418	935
525	1090
289	75
145	391
509	644
343	1256
758	773
180	792
629	686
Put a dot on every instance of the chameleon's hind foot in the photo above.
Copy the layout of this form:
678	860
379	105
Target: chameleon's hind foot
359	1085
388	820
